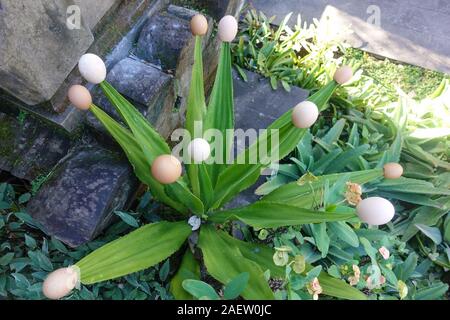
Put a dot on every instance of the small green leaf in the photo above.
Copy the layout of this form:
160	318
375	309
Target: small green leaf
24	198
6	259
164	271
30	242
127	218
200	289
431	232
234	288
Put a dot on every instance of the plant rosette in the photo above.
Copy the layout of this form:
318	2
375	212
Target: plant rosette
200	194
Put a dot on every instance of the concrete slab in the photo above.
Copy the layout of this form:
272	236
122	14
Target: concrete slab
412	31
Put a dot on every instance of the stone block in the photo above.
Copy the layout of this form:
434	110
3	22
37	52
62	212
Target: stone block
162	39
29	148
37	50
145	86
78	199
93	11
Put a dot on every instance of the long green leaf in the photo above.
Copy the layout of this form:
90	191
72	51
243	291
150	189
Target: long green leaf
262	255
220	112
225	262
151	142
136	251
196	111
245	175
182	194
294	193
264	214
189	269
140	163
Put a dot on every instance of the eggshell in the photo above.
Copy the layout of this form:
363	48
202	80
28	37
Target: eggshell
80	97
228	28
375	211
166	169
392	170
92	68
60	283
305	114
199	150
343	74
199	25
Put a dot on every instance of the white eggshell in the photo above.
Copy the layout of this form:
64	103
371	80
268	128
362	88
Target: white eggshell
60	283
199	150
227	29
92	68
305	114
375	211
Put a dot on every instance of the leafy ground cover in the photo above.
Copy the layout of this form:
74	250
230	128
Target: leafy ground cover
389	112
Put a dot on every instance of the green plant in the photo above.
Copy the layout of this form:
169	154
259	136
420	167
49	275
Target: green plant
27	255
204	291
206	188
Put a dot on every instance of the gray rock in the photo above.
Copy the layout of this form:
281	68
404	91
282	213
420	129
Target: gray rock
29	148
146	87
162	39
257	105
78	199
37	50
93	11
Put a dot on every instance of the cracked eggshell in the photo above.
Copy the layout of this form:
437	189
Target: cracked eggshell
343	74
375	211
228	28
305	114
166	169
80	97
392	170
199	150
60	283
199	25
92	68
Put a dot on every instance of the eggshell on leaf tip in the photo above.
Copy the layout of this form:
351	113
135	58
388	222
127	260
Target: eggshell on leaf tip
305	114
92	68
166	169
199	150
199	25
227	29
343	74
80	97
60	283
392	170
375	211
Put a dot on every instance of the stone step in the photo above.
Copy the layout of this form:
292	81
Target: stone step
78	199
148	88
30	82
414	32
164	36
29	148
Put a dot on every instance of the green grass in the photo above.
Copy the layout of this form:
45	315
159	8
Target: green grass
416	81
